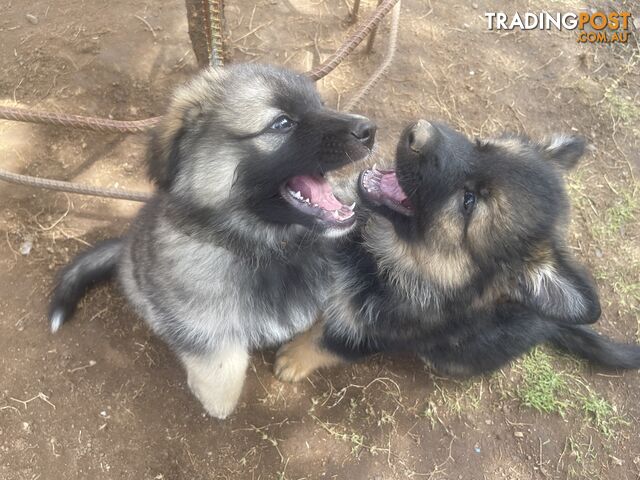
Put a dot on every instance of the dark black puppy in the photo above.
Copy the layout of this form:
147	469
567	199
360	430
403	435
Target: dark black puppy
462	260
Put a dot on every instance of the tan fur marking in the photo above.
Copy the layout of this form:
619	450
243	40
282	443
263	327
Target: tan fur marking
303	355
449	266
493	215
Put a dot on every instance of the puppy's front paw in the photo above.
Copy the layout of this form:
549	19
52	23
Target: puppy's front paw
302	356
217	402
216	378
292	362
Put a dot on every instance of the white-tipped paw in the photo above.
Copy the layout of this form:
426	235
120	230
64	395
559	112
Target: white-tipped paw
217	403
216	378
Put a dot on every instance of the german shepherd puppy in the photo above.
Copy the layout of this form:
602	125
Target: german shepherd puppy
460	259
230	254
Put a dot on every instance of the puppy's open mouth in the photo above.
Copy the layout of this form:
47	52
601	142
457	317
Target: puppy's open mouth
312	195
381	187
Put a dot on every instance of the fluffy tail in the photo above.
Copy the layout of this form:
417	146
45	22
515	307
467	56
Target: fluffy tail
585	342
86	270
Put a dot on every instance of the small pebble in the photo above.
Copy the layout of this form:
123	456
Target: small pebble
518	434
25	248
617	461
33	20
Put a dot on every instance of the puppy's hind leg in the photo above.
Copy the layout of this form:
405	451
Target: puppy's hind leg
216	378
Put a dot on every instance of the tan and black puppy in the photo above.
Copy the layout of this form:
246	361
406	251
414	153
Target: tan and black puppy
230	254
462	259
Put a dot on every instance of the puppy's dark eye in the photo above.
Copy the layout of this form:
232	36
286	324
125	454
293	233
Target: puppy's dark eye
469	201
282	124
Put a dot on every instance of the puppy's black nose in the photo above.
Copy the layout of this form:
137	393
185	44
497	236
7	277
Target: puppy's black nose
365	131
421	135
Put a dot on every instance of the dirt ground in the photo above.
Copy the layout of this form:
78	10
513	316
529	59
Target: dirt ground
104	399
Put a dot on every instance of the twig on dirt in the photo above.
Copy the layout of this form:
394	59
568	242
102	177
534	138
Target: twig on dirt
251	32
267	426
331	389
97	314
422	17
69	236
564	450
549	61
12	408
153	32
253	12
609	185
282	474
40	396
316	49
52	441
342	392
272	441
83	367
16	88
450	457
251	54
15	254
255	371
180	63
540	461
608	376
511	82
19	321
53	225
353	439
515	114
186	447
515	424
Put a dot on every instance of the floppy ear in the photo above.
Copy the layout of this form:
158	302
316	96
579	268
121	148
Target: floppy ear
163	152
183	112
559	289
563	150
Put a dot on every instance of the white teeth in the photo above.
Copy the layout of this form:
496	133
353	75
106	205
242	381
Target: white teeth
352	206
374	167
315	205
295	194
306	200
336	214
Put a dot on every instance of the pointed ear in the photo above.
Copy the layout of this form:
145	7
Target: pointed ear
559	289
563	150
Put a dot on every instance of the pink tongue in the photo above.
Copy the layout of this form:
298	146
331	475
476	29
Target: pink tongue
316	189
390	187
